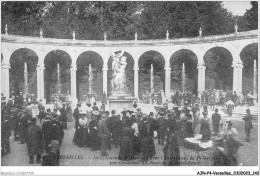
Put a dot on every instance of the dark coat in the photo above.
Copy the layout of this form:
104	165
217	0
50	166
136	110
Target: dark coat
34	140
162	123
51	159
63	114
205	130
146	133
103	131
216	121
42	115
56	132
46	130
171	151
126	148
248	121
76	115
94	141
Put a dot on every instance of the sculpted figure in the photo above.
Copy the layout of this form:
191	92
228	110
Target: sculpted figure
118	81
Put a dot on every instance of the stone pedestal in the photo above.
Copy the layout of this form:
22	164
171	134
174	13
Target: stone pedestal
120	102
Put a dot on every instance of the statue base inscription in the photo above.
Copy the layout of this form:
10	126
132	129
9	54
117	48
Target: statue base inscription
120	102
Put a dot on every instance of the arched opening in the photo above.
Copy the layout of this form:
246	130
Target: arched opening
57	76
249	55
129	74
219	72
23	75
89	76
151	62
190	61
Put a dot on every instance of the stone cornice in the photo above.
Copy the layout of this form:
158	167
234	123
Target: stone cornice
70	42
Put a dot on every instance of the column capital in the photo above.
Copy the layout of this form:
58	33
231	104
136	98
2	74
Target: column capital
201	66
40	67
237	65
73	68
5	66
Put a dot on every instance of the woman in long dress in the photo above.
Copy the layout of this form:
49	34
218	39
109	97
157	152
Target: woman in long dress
83	122
94	141
205	128
126	148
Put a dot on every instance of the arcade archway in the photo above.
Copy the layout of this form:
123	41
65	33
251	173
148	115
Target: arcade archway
23	75
129	72
190	61
89	75
57	75
249	55
151	67
219	72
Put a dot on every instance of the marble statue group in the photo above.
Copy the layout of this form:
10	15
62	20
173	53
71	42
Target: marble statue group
118	81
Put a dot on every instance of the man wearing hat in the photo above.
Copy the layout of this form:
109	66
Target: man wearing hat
146	134
94	141
56	130
216	121
103	133
76	115
162	127
46	130
63	116
34	143
22	126
114	125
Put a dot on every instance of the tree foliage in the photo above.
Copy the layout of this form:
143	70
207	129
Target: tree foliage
120	19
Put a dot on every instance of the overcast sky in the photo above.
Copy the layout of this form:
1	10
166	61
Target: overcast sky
237	7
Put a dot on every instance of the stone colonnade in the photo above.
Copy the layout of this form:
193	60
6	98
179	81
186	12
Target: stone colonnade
167	51
237	79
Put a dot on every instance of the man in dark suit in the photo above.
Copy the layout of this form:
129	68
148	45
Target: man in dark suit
216	121
146	133
162	127
34	141
63	116
76	115
103	133
46	130
22	127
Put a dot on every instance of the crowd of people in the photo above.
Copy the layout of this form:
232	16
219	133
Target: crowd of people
132	131
211	97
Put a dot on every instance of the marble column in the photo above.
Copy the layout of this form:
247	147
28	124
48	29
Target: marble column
105	78
167	81
73	84
201	77
136	81
40	82
152	79
5	80
237	77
